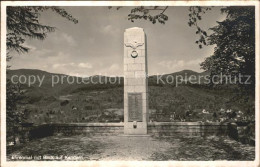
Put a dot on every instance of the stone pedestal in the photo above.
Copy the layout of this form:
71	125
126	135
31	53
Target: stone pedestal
135	82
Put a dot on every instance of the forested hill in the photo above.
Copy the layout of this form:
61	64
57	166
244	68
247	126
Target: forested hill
91	102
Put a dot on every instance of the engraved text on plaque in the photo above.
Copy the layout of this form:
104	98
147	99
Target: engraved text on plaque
135	107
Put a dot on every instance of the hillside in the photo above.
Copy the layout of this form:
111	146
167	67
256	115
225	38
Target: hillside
104	102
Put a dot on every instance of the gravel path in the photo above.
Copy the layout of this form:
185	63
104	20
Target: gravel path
132	148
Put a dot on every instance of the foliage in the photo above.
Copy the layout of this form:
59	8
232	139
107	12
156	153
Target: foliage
194	16
13	95
148	13
14	115
234	39
23	22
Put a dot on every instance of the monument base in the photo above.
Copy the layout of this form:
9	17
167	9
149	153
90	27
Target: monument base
139	129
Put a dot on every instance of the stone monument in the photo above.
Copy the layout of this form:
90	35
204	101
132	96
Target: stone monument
135	82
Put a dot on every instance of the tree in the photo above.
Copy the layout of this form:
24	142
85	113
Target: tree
147	13
234	38
23	23
13	95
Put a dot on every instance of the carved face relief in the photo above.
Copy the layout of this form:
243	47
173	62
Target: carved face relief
134	45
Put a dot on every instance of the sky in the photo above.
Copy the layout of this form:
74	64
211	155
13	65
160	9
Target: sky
94	46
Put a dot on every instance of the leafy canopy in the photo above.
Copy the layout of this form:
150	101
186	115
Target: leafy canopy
234	40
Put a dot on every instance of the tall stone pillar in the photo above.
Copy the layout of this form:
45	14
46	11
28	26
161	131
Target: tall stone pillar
135	82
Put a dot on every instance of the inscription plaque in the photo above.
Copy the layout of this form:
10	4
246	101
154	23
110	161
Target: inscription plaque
135	107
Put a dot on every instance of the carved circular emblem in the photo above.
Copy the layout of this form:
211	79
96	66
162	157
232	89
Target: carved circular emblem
134	54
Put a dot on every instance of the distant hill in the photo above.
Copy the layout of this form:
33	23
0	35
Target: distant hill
181	77
185	72
104	102
66	87
62	84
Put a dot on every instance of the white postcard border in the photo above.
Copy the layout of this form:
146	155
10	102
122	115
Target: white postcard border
5	163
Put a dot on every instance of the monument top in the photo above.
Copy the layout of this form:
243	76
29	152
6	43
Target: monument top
134	28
